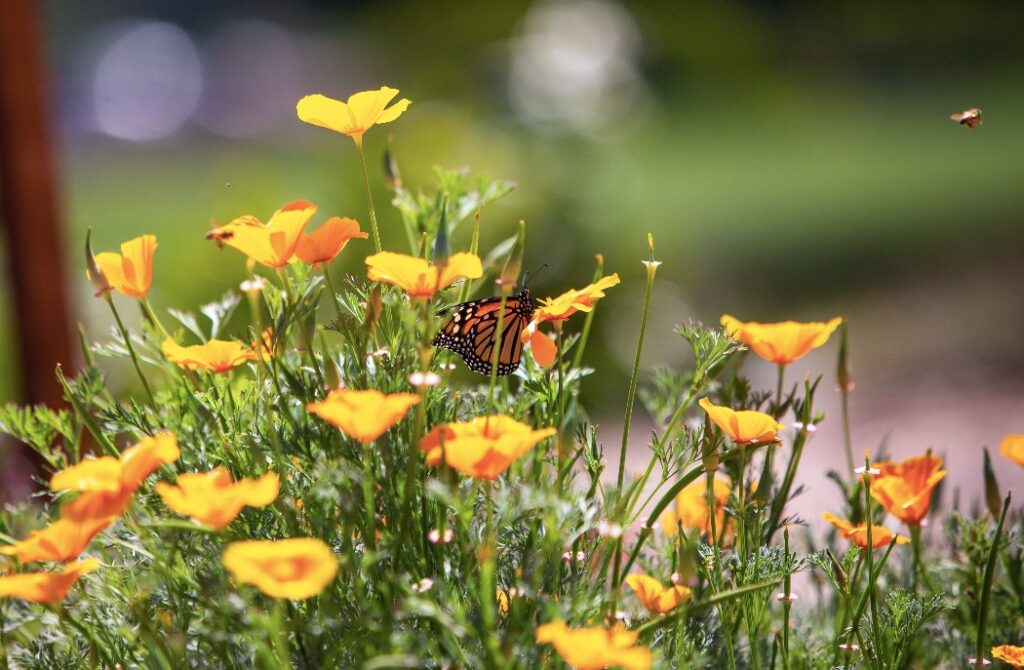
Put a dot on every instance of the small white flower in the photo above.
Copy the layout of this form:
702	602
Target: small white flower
984	662
874	472
849	647
608	529
419	379
676	579
783	598
423	585
436	536
580	557
255	284
807	428
380	353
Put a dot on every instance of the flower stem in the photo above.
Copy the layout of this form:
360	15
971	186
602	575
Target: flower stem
870	554
986	588
919	568
369	198
330	289
560	402
131	351
631	395
370	532
787	603
778	390
151	315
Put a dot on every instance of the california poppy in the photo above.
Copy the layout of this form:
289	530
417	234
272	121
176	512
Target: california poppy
905	488
1012	446
45	588
354	117
596	647
483	447
214	498
691	508
273	244
62	541
363	415
1009	654
655	597
130	272
327	241
745	426
107	483
880	535
558	309
296	568
417	277
213	356
781	343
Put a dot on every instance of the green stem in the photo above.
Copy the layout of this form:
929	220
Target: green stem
787	602
559	402
986	589
715	539
151	315
131	351
488	586
369	534
875	634
778	397
497	351
330	289
369	197
919	568
581	344
631	395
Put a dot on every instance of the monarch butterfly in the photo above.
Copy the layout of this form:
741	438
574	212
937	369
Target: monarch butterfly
470	332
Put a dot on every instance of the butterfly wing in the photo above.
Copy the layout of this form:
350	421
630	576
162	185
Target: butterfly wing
471	332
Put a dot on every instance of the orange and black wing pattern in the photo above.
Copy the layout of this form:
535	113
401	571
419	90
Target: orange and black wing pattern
472	332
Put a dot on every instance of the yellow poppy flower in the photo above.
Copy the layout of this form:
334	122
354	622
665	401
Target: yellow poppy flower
45	588
556	310
214	356
363	415
419	278
656	598
905	488
1012	446
691	508
273	244
1013	656
61	541
595	648
327	241
880	535
107	483
130	272
780	343
296	569
745	426
574	300
483	447
214	498
361	112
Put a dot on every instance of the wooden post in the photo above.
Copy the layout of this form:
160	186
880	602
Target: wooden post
28	207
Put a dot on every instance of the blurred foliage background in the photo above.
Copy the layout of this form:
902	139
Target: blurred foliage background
792	159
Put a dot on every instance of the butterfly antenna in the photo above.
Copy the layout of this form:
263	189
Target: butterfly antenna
526	277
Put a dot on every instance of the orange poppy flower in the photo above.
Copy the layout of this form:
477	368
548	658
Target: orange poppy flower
296	569
780	343
573	300
595	648
363	415
45	588
691	508
107	483
880	535
483	447
1013	656
556	310
273	244
745	426
214	498
327	241
1012	446
419	278
214	356
905	488
656	598
61	541
361	112
130	272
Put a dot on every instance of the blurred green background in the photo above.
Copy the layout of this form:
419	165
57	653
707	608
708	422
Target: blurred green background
792	159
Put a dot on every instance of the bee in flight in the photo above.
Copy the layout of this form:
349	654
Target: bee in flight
970	118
